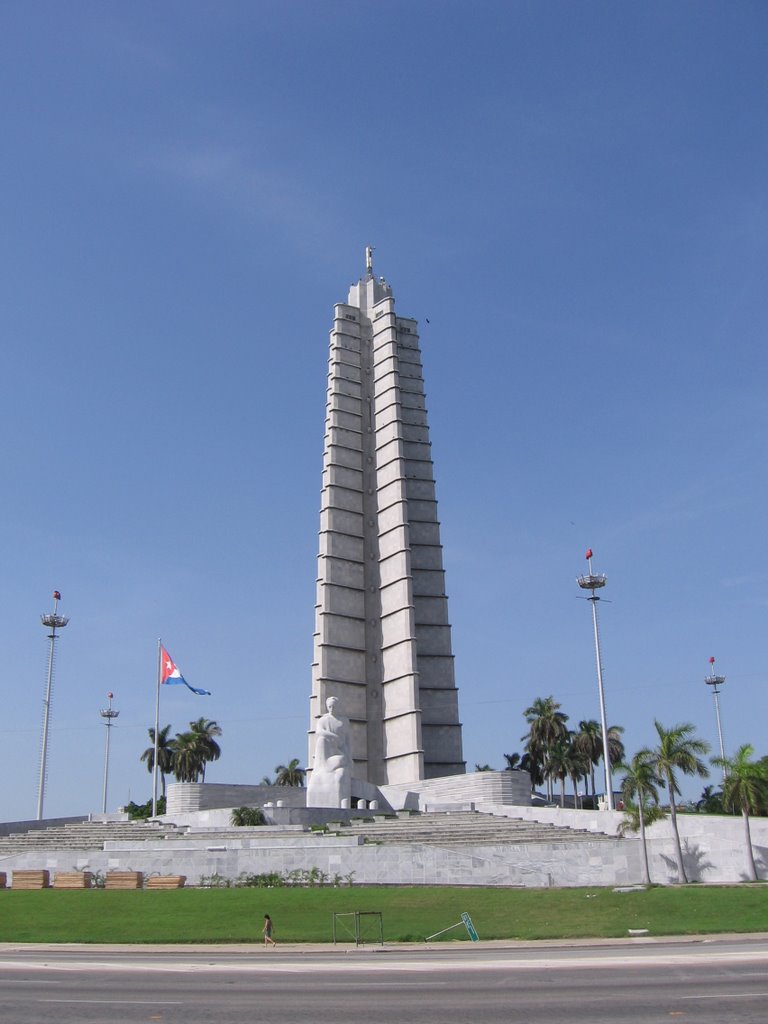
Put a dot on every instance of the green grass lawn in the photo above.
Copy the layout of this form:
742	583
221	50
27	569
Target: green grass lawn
409	913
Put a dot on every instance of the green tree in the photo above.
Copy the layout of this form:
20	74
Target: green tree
205	730
241	816
615	745
579	764
164	754
188	760
639	789
567	762
710	801
546	724
745	786
143	812
678	750
589	741
528	763
513	762
483	768
289	774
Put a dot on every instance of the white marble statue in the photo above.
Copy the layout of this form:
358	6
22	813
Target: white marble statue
330	783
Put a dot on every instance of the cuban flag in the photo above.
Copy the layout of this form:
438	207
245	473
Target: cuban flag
170	674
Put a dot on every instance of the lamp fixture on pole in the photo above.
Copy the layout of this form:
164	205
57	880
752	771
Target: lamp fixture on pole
594	582
53	621
716	682
109	715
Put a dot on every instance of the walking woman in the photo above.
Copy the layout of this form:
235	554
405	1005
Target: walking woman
267	931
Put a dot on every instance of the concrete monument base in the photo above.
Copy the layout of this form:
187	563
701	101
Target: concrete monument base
452	792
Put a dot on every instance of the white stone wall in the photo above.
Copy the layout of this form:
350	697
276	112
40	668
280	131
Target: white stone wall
183	797
536	865
714	853
475	790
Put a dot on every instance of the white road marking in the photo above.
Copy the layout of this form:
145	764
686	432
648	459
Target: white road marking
726	995
116	1002
408	966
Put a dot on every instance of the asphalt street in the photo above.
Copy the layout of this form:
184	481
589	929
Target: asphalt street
713	980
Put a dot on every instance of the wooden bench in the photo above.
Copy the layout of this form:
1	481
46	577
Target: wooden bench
124	880
166	881
31	879
3	880
73	880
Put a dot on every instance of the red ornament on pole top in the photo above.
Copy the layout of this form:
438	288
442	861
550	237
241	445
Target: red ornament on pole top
711	661
589	553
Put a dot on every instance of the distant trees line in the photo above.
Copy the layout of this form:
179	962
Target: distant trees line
554	753
186	754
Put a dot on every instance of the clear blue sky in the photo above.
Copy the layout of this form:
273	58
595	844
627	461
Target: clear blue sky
574	194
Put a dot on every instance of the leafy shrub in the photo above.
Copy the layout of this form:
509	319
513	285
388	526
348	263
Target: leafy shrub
214	881
301	878
268	880
142	812
247	816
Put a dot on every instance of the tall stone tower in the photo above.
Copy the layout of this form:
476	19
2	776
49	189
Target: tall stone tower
382	640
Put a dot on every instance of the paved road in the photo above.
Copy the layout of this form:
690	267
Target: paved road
707	982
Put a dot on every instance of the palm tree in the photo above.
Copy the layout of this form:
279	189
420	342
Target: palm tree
266	781
546	724
710	801
513	762
745	785
579	769
615	745
483	768
289	774
589	741
205	729
641	783
529	763
558	764
678	750
164	754
567	762
188	757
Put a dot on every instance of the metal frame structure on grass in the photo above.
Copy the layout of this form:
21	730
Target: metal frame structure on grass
364	921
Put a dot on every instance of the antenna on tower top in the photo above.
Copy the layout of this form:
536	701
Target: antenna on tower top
369	259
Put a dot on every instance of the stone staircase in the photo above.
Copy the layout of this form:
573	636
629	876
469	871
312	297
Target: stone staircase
445	828
460	827
85	835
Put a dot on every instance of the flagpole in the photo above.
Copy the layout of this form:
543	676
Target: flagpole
157	730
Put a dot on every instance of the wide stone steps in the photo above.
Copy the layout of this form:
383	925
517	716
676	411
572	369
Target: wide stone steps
464	828
84	836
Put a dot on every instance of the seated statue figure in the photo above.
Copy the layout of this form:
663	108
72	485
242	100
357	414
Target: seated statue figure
330	783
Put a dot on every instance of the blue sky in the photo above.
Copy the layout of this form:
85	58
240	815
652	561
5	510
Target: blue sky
573	194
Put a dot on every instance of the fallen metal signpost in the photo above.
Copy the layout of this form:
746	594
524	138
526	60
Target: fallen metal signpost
465	922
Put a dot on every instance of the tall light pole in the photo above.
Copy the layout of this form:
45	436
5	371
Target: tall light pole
594	582
109	715
715	682
53	622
